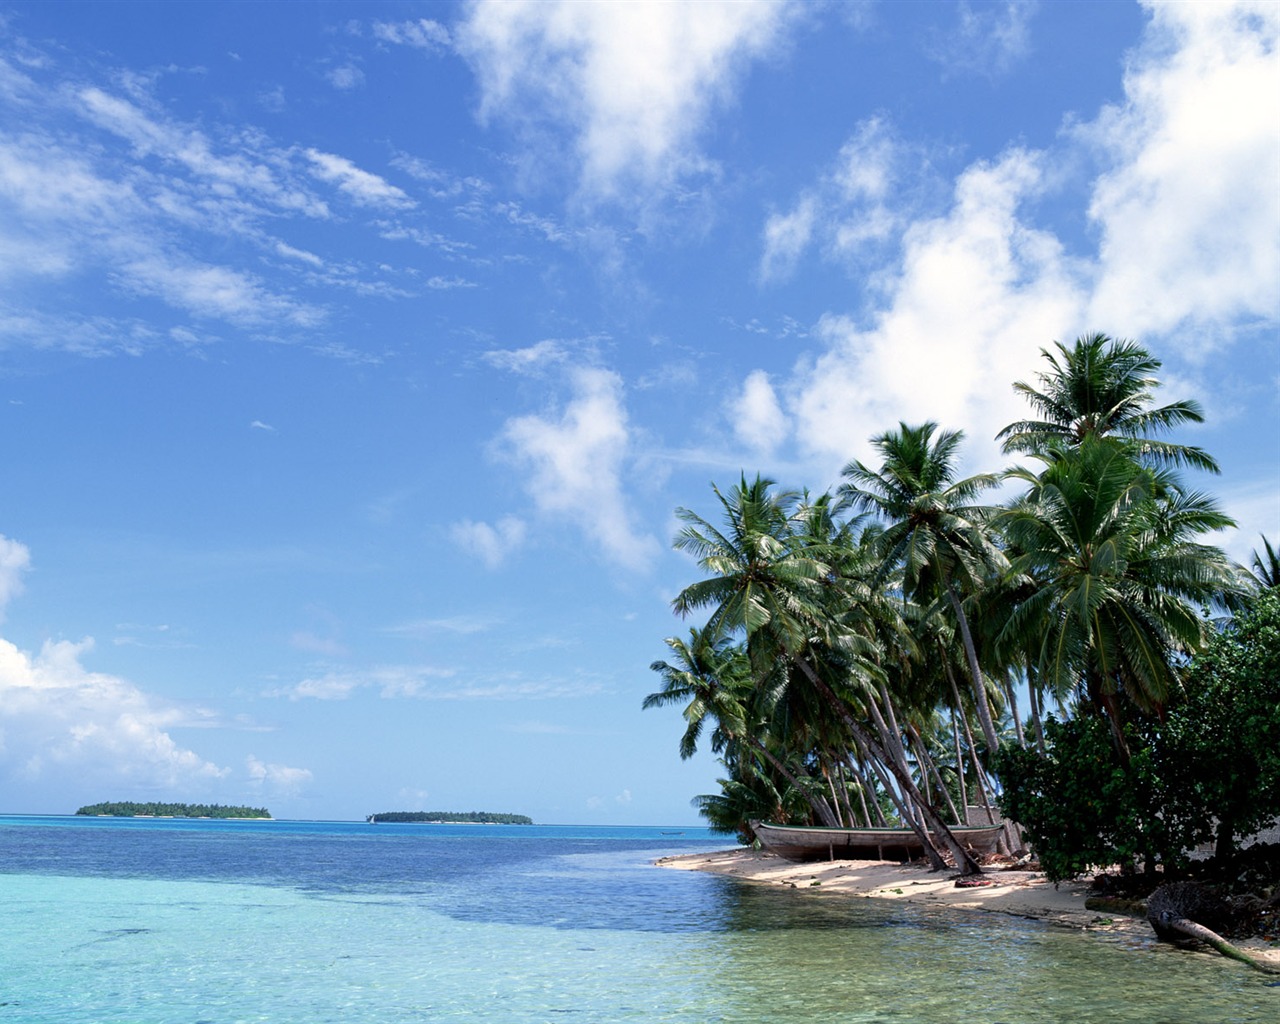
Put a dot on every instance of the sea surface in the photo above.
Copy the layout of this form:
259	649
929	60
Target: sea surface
168	921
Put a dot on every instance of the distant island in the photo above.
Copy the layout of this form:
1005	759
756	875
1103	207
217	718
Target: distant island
129	809
450	818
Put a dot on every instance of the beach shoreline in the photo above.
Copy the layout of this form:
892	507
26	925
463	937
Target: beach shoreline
1018	893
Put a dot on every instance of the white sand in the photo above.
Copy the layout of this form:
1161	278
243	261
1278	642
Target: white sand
1021	893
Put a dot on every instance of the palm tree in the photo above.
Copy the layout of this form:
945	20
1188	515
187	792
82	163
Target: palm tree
935	535
1099	387
1116	576
711	675
771	582
1266	566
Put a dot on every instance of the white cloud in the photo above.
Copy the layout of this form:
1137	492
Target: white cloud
277	777
15	560
1189	221
491	544
786	236
1190	211
529	360
756	415
398	682
60	719
976	288
987	40
632	83
423	34
345	77
363	187
575	462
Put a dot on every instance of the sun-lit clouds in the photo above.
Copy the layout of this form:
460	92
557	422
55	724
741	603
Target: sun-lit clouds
277	778
976	289
492	544
1189	209
345	76
422	34
633	85
206	290
852	208
15	560
757	416
532	359
429	683
988	39
575	460
250	168
361	186
1189	250
60	719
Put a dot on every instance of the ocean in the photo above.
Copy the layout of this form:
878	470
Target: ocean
170	921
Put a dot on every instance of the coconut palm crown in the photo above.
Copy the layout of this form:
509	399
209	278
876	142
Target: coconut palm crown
1104	386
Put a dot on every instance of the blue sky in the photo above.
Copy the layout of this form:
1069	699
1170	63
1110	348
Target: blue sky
354	357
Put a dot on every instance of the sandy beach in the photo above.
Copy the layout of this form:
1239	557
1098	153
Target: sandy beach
1020	893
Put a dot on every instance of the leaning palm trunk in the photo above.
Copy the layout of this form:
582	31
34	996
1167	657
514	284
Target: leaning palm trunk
820	807
933	822
978	775
975	673
928	764
960	772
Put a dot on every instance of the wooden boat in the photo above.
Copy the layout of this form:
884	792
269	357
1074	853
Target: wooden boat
798	842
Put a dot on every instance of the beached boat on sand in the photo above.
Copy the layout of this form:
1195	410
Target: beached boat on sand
798	842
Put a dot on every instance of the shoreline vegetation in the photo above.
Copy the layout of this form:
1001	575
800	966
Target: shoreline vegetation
1013	891
448	818
152	809
1072	654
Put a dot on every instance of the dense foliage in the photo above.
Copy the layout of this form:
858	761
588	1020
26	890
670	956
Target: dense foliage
129	809
452	817
863	652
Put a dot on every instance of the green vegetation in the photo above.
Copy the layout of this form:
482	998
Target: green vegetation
129	809
862	652
452	817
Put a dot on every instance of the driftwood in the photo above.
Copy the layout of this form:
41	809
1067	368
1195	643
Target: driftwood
1179	911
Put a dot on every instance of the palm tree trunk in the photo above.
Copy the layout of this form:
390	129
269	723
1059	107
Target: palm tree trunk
932	820
979	687
960	772
973	753
1012	693
927	763
819	806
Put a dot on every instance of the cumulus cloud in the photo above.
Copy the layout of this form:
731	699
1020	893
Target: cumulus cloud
632	84
976	288
574	461
61	720
1188	221
344	77
491	544
1189	211
757	416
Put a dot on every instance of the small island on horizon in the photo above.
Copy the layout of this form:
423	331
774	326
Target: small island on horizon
448	818
131	809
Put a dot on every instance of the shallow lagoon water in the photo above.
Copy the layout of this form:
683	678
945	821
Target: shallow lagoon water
160	922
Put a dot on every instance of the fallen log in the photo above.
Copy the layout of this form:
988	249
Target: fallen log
1177	911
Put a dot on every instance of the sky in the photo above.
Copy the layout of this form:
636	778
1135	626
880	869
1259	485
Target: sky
355	357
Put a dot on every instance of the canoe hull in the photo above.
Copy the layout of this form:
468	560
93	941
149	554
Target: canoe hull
800	843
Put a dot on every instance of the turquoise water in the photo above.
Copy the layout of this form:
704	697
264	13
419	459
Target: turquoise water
159	922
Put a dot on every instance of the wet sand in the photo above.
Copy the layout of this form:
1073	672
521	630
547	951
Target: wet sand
1020	893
